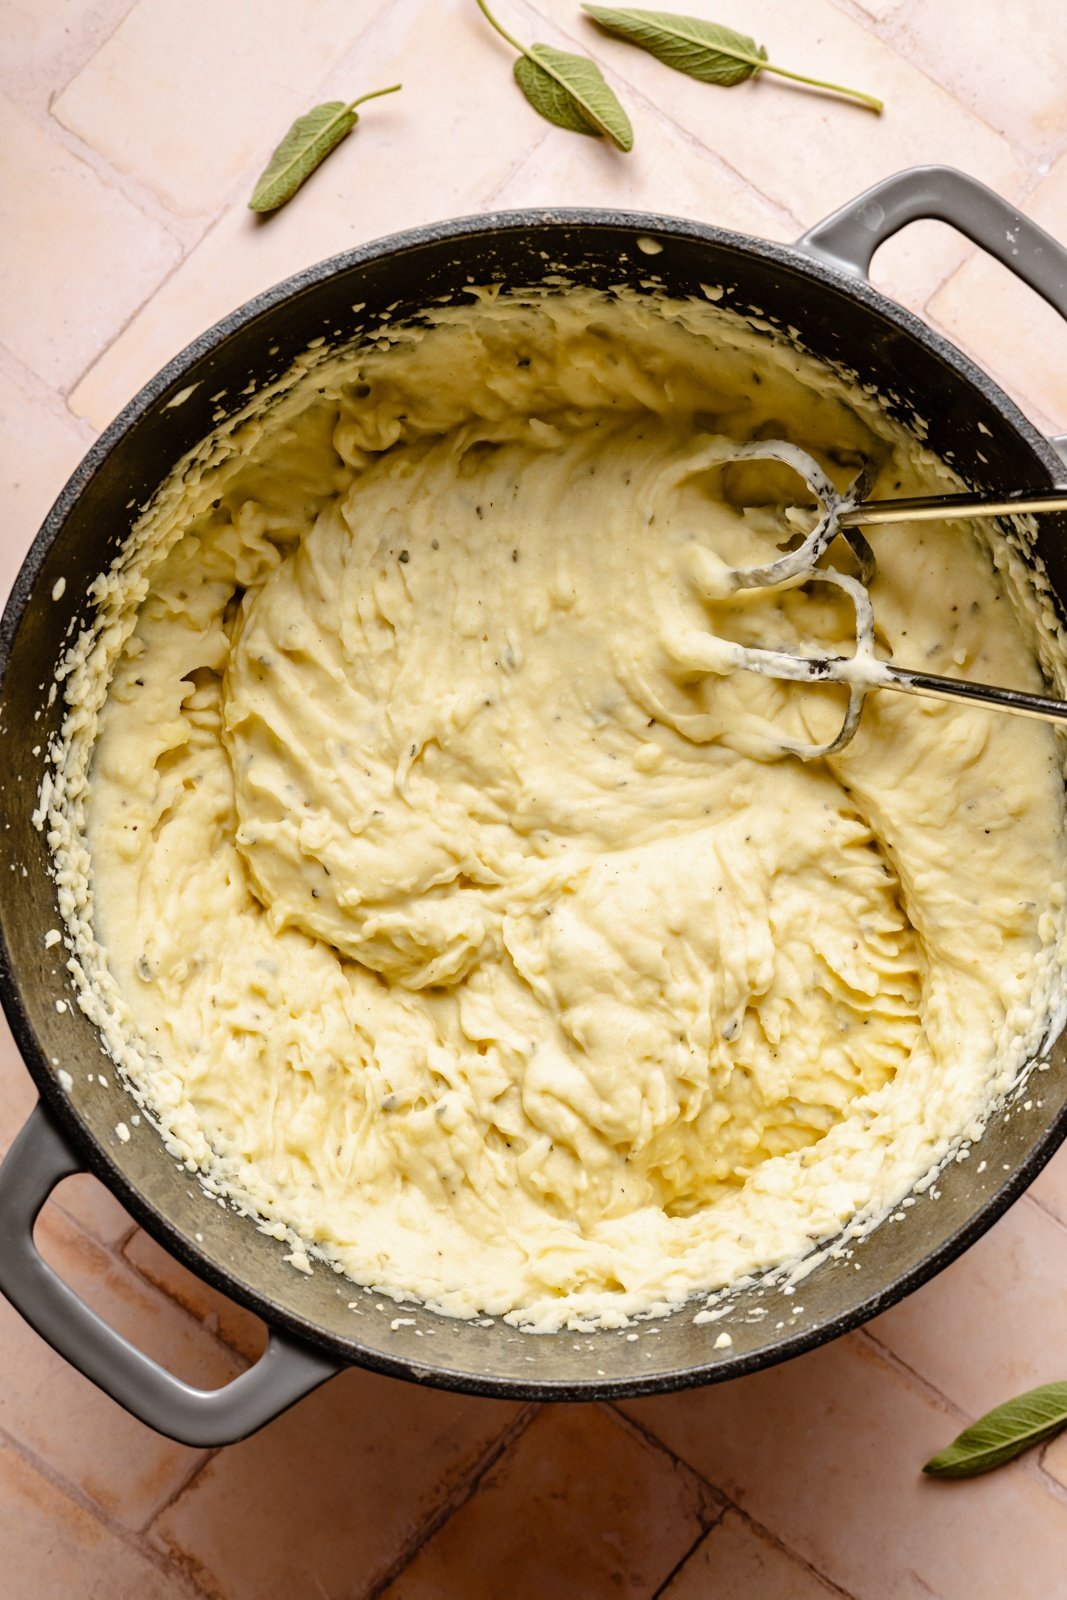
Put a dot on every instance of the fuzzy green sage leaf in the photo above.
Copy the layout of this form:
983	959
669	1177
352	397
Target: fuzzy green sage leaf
704	50
305	147
566	89
1003	1433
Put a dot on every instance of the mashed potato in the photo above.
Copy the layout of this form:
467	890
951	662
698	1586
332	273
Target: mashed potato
446	913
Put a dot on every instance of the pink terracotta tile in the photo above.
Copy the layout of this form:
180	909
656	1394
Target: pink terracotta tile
53	1549
44	42
1050	1189
807	152
995	1321
1054	1459
74	1428
990	57
325	1500
40	445
95	257
172	73
579	1504
1004	325
240	1329
86	1201
827	1452
879	9
738	1561
667	172
416	157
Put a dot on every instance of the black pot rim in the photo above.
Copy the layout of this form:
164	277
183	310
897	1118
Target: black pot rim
96	1157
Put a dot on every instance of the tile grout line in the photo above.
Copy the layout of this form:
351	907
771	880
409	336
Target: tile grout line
650	1438
374	25
714	157
155	1292
172	1300
127	322
131	1537
1028	1199
729	1504
889	31
864	19
1009	387
515	168
212	219
454	1502
653	1438
194	1472
956	1412
772	1538
188	233
1044	1207
183	230
188	229
1029	1462
684	1560
1021	154
38	389
81	66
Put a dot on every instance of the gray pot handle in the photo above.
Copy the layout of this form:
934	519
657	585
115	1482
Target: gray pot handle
39	1158
848	239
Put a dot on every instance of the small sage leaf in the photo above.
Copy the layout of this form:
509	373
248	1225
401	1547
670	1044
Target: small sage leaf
549	98
570	91
1003	1433
565	89
305	147
704	50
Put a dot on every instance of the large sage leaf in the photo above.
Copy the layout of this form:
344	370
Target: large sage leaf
704	50
1003	1433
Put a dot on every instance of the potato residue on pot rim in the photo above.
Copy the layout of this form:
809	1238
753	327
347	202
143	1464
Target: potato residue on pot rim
440	911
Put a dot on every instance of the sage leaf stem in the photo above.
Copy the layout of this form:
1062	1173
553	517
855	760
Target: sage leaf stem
705	50
503	32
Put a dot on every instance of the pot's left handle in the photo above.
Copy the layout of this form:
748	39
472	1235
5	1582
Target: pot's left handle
849	238
39	1158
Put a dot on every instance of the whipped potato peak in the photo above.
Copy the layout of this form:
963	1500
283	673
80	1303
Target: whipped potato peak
451	900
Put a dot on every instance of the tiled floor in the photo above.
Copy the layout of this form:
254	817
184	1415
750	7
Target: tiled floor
130	132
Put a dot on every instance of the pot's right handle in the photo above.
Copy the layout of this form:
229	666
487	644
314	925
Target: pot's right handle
848	239
39	1158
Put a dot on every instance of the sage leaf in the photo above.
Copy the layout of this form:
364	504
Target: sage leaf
1003	1433
566	89
704	50
305	147
549	98
570	91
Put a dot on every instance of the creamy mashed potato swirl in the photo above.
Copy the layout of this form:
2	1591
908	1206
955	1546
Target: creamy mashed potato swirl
468	929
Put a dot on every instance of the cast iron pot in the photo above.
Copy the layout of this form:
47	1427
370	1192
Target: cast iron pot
817	288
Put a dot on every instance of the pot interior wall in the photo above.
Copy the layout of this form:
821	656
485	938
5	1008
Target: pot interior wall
843	324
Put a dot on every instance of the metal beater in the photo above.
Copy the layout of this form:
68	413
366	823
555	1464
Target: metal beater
846	514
